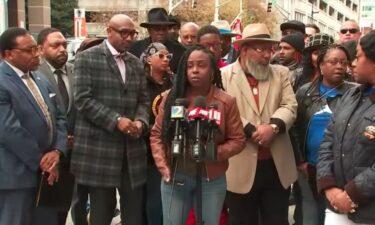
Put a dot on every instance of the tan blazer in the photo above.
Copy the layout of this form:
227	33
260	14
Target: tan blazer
276	100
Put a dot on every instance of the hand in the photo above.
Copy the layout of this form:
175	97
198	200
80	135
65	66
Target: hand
342	203
49	161
126	126
331	193
139	129
263	135
303	168
166	174
70	141
53	176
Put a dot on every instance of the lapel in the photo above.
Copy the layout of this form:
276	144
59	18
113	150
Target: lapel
242	84
264	87
46	70
69	72
112	63
25	91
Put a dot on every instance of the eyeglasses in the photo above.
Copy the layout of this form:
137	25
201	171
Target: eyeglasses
334	62
214	46
259	49
126	32
161	55
30	50
352	31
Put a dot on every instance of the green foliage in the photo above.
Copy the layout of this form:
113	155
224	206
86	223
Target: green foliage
62	13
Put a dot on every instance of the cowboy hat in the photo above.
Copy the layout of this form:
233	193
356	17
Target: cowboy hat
157	16
255	32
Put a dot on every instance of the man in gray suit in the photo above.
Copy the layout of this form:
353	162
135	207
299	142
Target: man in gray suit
113	112
54	66
32	132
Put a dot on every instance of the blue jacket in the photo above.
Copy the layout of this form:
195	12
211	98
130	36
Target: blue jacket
24	130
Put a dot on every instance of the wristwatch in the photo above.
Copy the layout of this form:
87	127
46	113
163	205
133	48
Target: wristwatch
275	128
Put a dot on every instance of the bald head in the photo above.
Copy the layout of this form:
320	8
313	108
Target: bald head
188	33
121	32
118	19
349	31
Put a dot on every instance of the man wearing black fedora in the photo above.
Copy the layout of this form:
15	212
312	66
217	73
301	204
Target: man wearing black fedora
158	24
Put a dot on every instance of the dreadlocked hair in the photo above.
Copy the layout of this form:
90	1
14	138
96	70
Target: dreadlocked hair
180	85
327	49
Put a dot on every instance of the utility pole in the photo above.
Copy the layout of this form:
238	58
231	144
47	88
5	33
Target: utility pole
313	12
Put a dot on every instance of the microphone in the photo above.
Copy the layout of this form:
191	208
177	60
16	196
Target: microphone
178	114
214	121
198	114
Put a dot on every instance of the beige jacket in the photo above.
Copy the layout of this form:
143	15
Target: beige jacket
276	100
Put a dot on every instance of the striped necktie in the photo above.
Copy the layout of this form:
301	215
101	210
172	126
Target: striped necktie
39	99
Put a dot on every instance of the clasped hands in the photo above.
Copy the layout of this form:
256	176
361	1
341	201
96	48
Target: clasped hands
263	135
131	128
340	200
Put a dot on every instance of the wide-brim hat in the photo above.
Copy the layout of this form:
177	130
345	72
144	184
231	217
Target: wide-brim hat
255	32
223	27
157	16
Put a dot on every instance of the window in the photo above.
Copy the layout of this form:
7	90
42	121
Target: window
355	7
299	16
340	17
323	6
348	3
331	11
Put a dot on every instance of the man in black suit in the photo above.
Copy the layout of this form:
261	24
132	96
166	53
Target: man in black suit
54	67
158	26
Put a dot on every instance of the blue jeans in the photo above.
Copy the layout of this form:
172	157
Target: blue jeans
177	199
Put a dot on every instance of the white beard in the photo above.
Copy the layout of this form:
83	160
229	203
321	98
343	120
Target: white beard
258	71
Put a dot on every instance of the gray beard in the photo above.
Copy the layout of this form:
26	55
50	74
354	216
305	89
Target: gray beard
258	71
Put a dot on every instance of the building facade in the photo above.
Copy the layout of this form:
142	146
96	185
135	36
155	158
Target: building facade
98	12
327	14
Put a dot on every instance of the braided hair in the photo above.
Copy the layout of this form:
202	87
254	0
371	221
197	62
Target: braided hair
180	85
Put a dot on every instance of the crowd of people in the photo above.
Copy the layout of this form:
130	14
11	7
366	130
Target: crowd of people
297	118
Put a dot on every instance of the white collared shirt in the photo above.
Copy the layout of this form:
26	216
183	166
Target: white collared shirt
64	75
120	62
20	74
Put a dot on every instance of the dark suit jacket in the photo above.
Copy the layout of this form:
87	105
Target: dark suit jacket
24	130
100	97
173	47
68	110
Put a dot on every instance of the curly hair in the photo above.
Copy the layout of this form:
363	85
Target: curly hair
180	85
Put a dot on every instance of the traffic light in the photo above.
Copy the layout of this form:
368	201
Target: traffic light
194	4
269	7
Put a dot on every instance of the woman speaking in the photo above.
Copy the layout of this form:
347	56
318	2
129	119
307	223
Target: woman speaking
197	76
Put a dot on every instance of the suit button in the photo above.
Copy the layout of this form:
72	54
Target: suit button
343	155
348	124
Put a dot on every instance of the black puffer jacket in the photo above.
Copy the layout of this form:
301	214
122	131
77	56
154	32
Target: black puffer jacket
309	102
347	156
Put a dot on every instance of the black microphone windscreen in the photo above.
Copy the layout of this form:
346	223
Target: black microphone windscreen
182	101
200	102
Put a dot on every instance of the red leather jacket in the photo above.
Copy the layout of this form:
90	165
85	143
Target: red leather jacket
230	142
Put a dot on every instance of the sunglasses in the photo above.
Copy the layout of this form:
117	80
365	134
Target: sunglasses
161	55
352	31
